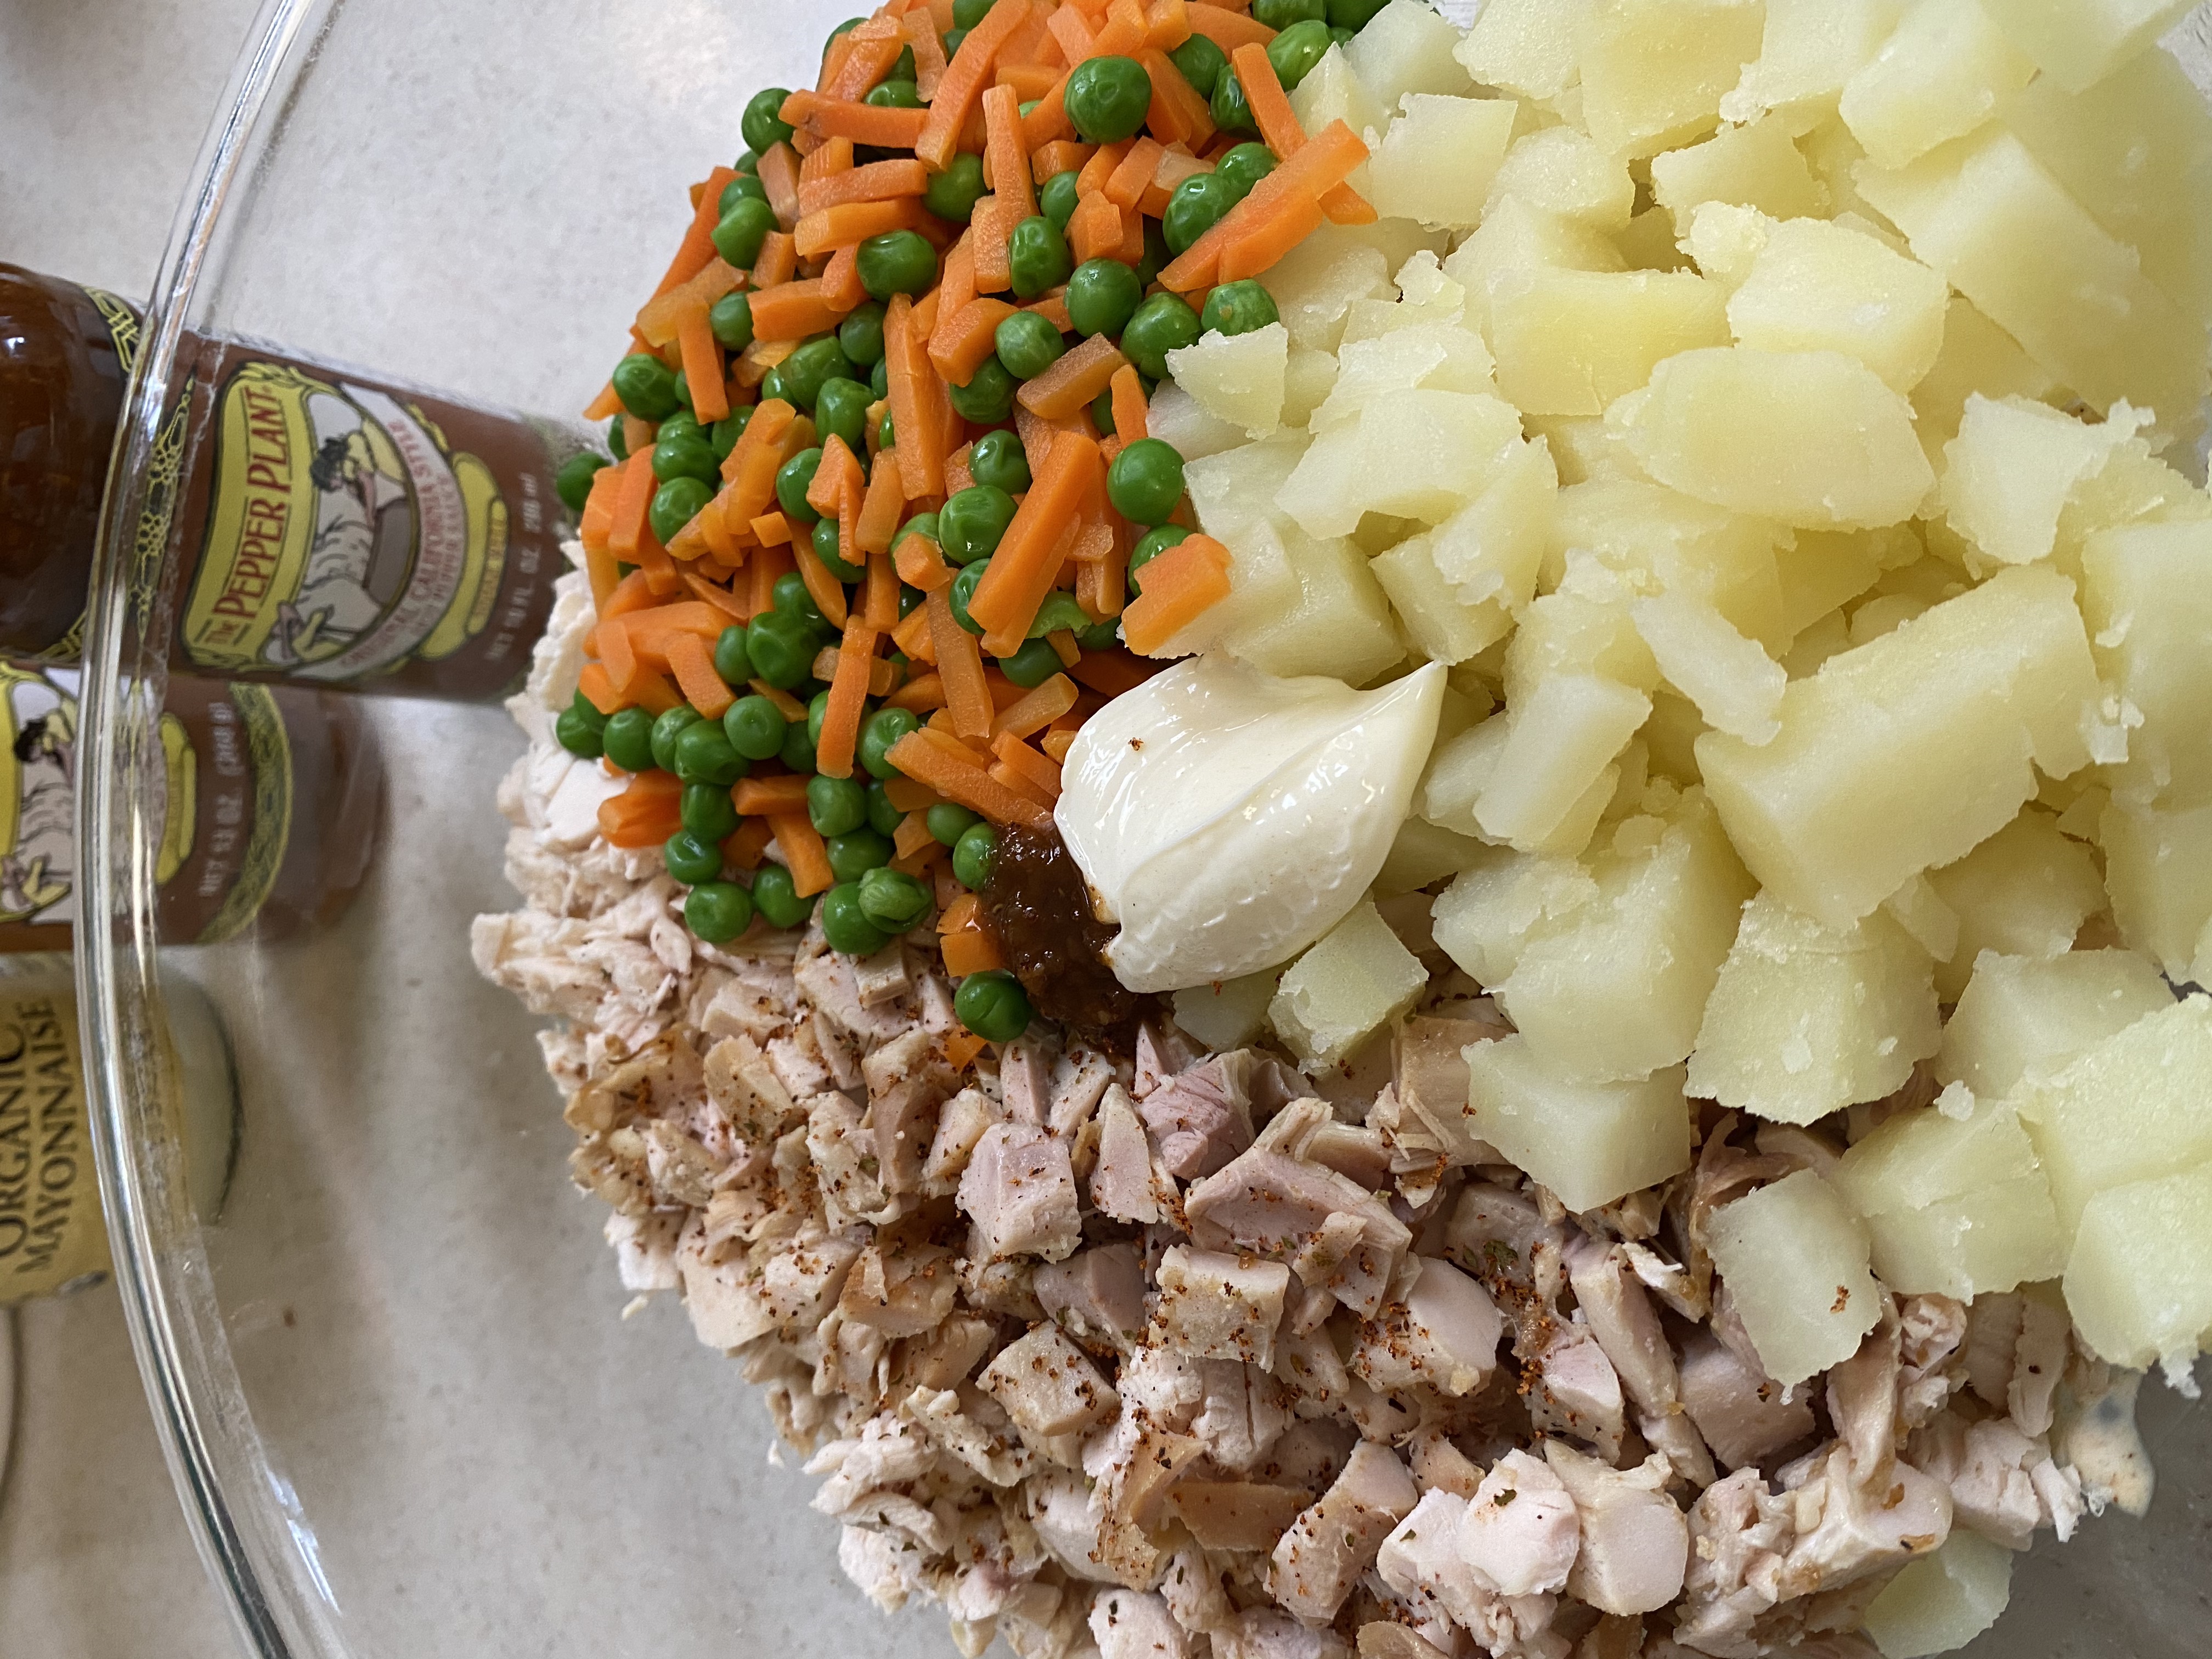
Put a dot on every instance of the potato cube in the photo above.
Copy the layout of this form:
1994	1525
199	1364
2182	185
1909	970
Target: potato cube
1570	633
2134	488
1427	297
1655	71
1340	624
1227	1013
2158	869
1559	738
1670	738
1826	569
1333	91
1518	235
2083	307
1755	167
1736	686
1814	439
2006	476
1458	768
1648	243
1442	627
2023	1018
1818	286
1571	342
1590	1143
1425	356
1806	1020
1561	171
2147	597
1648	953
2025	891
1526	48
1944	1601
1491	550
1660	540
1794	1259
1438	157
1724	240
1237	378
1978	358
1423	455
1485	919
1908	752
1308	379
1314	285
1407	47
1234	491
1811	48
1955	1206
1174	416
1940	76
1584	448
2139	1283
1423	853
2131	1108
2079	43
1356	980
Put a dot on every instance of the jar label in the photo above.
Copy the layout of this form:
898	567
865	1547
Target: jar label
51	1231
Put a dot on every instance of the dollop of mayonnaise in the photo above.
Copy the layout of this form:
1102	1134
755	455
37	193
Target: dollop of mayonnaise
1225	820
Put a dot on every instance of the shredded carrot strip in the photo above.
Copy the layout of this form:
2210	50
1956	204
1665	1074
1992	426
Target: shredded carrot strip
1021	571
692	660
1032	767
918	695
1271	106
1126	182
1005	157
908	795
922	564
964	782
833	157
1180	585
875	45
963	82
878	182
646	814
915	400
1094	229
848	694
991	230
697	247
718	596
960	665
1227	29
1130	421
702	365
879	511
628	528
657	320
1047	118
1037	710
778	261
850	224
793	311
912	835
778	170
1278	203
1061	155
804	854
968	339
785	793
928	52
881	127
879	607
1074	381
745	847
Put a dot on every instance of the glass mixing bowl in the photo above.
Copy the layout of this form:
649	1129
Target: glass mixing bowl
402	1411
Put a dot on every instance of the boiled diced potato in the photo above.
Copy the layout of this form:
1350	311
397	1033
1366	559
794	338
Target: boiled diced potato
1940	76
1485	919
2026	1017
1670	738
2139	1283
1658	540
1442	627
1340	625
1458	768
1425	356
2133	487
1919	910
1978	358
1807	1020
2006	476
1263	585
1526	47
1175	417
1227	1014
1655	71
1909	752
1811	48
1315	283
1818	286
1423	455
1333	91
1357	980
1438	157
1793	1258
1407	47
1427	297
2025	892
1237	378
1308	379
2131	1108
1562	735
2082	42
1955	1206
1568	632
1571	342
1561	172
2082	307
1755	167
1491	550
1423	852
1726	241
1235	490
1825	568
1516	235
1584	448
2147	597
1944	1601
1736	686
1647	952
1814	439
1590	1143
2158	869
1648	243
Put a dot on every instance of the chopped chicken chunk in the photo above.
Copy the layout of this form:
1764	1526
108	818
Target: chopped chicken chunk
1020	1189
1319	1559
1214	1306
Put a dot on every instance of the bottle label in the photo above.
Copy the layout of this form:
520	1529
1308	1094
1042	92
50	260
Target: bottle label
51	1231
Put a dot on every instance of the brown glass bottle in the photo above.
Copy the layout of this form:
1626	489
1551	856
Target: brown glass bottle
308	523
269	799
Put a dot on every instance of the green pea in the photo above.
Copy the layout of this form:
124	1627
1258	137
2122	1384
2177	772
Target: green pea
817	710
1353	15
972	855
846	925
1028	344
755	727
836	805
1056	199
586	711
1099	636
1027	107
880	379
1342	37
893	900
1108	99
684	456
1238	308
747	162
824	541
813	366
781	648
856	852
999	461
763	125
860	336
579	736
963	590
966	14
1101	413
883	815
572	483
798	751
745	185
886	434
792	598
952	39
646	386
1149	547
717	911
732	661
994	1005
922	523
708	813
628	741
771	386
1195	207
681	385
775	895
675	504
883	730
1293	54
1245	167
682	424
1162	323
690	859
1102	296
703	755
617	445
1230	108
1280	14
988	399
1145	484
952	194
1201	63
948	821
842	407
792	480
738	237
896	262
1059	611
660	735
974	522
1032	665
725	432
895	94
1038	255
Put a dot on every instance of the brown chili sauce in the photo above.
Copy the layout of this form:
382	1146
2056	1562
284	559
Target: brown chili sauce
1038	905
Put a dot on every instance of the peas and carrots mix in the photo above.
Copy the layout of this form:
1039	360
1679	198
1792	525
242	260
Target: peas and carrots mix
884	525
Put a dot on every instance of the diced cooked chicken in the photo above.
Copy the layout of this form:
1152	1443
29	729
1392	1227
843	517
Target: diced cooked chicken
1626	1326
1019	1190
1079	1080
1635	1542
1048	1385
907	1081
1445	1332
904	1292
2003	1482
1270	1204
1847	1531
1058	1507
1237	1515
1263	1633
960	1125
1130	1624
1161	1052
1353	1151
1577	1395
1216	1306
1740	1535
1438	1465
1122	1183
1245	1414
1384	1640
1098	1295
1319	1559
1430	1073
1520	1534
1863	1400
1025	1078
1421	1560
1192	1584
1744	1415
1200	1118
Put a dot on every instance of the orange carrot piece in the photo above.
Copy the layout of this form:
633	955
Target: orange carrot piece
882	126
778	170
914	401
1130	421
878	181
1094	229
743	848
1052	308
1126	184
1180	585
692	661
599	690
786	705
964	781
1037	710
1227	29
1032	767
697	247
762	568
778	262
793	311
1073	382
832	157
597	523
919	696
963	83
1099	587
1061	155
1123	33
962	1046
971	951
912	833
956	287
1282	200
604	405
631	593
824	589
1259	247
772	530
912	637
1020	783
1075	35
833	61
880	601
657	320
828	486
928	52
1047	118
1005	158
1028	81
1271	106
960	665
646	814
990	232
628	529
1100	168
852	222
653	629
766	797
702	365
875	45
960	346
1021	571
848	694
922	564
1056	744
718	596
1167	24
804	854
880	509
908	796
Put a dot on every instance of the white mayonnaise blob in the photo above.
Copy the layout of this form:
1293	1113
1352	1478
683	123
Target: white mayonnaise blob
1226	820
